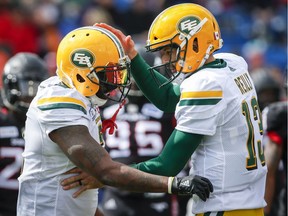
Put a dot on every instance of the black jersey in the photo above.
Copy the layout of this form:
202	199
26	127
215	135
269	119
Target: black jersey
277	125
11	148
275	116
142	131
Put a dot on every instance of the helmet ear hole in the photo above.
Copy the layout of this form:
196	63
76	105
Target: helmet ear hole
195	45
80	78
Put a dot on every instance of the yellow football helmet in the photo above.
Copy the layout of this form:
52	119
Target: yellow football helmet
192	30
92	60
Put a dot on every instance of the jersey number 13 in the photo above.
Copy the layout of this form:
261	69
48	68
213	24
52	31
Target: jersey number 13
251	160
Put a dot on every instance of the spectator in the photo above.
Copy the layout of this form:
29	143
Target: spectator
18	31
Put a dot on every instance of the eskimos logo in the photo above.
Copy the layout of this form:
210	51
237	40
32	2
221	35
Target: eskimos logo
82	58
187	24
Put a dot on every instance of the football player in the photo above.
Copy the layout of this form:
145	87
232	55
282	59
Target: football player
275	119
219	123
21	76
63	130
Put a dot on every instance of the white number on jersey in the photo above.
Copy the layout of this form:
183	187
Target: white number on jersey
6	175
147	137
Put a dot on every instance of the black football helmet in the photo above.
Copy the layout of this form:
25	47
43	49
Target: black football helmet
21	76
268	89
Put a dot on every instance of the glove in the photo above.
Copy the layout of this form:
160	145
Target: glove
190	185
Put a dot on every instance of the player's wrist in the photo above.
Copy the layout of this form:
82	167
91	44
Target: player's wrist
181	186
132	54
170	182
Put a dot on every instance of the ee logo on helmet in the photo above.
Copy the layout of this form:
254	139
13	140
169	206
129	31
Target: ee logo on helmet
80	57
187	24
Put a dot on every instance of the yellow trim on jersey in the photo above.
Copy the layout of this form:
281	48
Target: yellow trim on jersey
243	212
61	103
98	119
200	98
202	94
43	101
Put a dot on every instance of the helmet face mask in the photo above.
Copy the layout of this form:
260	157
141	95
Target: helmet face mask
111	78
92	60
190	27
168	68
21	77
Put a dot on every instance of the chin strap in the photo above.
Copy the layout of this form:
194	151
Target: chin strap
110	123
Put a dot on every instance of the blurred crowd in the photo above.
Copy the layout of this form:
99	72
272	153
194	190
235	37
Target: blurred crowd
256	29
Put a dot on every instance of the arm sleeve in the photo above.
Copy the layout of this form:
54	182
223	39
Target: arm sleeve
174	156
164	98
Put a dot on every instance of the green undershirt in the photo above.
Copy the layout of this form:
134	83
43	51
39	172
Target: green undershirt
164	98
181	145
174	156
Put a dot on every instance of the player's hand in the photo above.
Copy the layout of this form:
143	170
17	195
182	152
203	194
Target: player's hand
192	184
82	180
126	41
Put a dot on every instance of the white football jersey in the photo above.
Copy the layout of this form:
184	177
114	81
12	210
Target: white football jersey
40	192
220	102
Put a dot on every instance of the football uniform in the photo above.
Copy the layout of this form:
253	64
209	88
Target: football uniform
275	127
45	164
11	148
220	102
